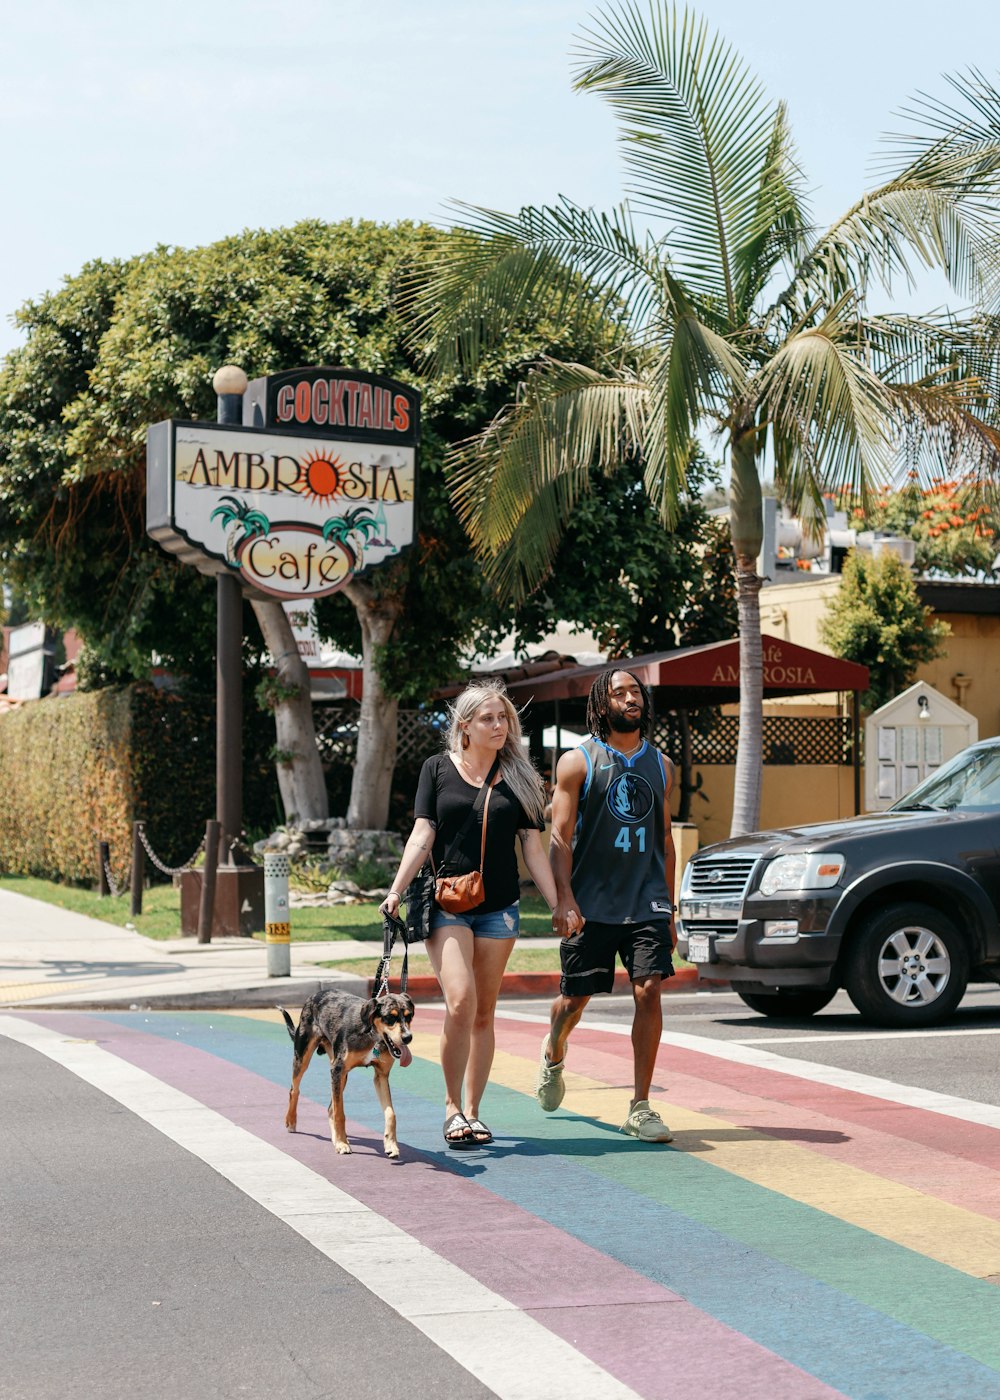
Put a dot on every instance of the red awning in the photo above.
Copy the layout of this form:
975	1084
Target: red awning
706	675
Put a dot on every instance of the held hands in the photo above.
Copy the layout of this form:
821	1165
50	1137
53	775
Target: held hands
567	919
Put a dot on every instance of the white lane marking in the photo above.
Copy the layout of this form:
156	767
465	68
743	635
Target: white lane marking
511	1353
742	1054
850	1036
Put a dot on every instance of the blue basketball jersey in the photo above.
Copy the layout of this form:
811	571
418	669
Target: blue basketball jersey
619	872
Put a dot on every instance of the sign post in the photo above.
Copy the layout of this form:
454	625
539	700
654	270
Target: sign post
306	481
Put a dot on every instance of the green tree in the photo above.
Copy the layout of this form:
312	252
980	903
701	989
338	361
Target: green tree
125	344
955	532
733	314
877	619
637	587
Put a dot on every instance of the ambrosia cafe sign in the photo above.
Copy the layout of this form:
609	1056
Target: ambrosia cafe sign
317	487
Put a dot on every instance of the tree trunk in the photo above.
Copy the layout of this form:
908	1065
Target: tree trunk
368	809
747	526
300	771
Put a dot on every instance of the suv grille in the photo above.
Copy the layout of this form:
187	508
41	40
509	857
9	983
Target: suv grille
719	876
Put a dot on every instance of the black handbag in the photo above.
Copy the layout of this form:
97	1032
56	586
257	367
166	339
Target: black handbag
418	901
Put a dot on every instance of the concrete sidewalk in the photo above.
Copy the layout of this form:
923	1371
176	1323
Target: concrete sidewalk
51	957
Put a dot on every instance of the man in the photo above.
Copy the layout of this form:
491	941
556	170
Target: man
614	885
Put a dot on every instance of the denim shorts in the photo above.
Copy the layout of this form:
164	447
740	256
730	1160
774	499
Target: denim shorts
502	923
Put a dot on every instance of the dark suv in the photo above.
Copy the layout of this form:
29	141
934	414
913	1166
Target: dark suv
900	908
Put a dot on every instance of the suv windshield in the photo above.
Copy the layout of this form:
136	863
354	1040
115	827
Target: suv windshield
971	780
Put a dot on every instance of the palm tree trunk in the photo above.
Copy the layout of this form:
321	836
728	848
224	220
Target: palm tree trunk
300	769
746	522
368	809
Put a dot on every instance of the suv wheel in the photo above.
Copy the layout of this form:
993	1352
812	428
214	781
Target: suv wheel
907	966
786	1003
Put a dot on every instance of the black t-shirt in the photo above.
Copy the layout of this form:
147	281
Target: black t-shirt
445	798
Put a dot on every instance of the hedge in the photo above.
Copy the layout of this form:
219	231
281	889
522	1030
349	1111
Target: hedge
83	767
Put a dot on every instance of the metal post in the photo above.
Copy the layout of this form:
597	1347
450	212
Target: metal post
206	907
229	384
103	861
229	711
277	929
138	868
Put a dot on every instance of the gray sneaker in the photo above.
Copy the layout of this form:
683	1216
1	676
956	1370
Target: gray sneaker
549	1086
646	1124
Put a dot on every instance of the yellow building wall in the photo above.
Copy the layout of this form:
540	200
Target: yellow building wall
790	796
968	672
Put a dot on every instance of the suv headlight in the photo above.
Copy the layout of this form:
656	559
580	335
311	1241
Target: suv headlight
802	872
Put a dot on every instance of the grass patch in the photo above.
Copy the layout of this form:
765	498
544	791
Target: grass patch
522	959
161	912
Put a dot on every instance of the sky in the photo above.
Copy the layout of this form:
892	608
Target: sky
125	125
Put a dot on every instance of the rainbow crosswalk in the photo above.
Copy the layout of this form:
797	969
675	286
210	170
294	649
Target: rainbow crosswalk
803	1236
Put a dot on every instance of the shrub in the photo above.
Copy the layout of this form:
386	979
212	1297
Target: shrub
82	768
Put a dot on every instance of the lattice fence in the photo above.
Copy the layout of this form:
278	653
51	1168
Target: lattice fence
420	732
787	739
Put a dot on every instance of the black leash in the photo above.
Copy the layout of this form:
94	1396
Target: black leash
392	928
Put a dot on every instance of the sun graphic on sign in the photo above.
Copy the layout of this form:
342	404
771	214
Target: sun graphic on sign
320	476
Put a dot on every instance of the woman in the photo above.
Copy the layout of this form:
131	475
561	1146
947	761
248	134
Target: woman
469	951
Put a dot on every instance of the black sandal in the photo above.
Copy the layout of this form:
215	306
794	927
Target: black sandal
481	1135
452	1124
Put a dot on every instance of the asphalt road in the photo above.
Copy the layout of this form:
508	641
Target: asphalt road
961	1056
162	1236
132	1269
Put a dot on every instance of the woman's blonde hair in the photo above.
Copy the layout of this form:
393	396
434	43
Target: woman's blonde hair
516	769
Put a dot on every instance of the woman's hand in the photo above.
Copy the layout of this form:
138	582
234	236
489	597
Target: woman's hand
390	905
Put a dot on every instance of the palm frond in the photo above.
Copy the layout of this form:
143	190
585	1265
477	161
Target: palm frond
941	430
779	230
939	210
697	375
498	271
695	129
830	416
515	484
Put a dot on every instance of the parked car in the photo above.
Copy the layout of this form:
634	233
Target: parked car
900	908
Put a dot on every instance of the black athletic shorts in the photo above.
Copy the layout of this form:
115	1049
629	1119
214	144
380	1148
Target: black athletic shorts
588	958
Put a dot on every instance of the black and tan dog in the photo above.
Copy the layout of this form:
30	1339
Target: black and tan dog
352	1032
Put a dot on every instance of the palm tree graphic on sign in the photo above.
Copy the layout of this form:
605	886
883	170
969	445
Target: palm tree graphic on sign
242	522
343	529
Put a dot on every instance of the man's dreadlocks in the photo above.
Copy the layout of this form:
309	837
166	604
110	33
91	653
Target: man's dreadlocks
599	708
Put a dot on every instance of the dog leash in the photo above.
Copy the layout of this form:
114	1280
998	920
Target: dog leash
392	928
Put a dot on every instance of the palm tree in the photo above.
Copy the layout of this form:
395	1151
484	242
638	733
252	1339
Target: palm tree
732	314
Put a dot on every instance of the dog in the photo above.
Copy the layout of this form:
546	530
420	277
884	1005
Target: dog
351	1032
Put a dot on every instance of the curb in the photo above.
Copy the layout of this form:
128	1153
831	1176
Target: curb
292	992
423	987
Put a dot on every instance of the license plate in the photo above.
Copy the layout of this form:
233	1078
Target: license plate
699	950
